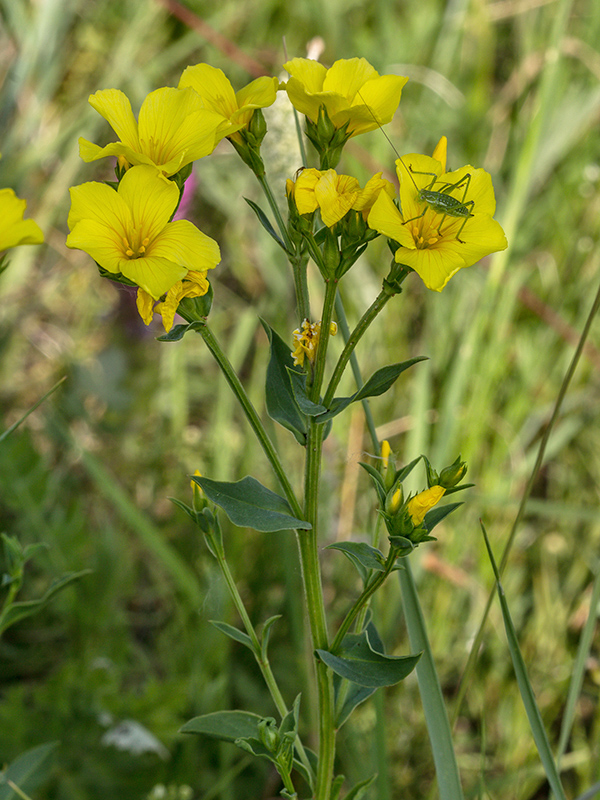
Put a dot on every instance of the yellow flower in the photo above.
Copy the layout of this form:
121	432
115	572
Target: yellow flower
234	108
423	502
334	194
434	245
194	284
128	231
306	341
174	129
351	91
14	230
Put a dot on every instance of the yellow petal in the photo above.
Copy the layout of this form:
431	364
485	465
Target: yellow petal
92	152
441	151
370	193
375	103
347	76
14	230
336	195
101	204
154	275
213	87
145	306
308	72
385	218
259	93
115	107
423	502
99	241
304	191
183	243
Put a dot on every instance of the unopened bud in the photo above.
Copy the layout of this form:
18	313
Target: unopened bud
394	500
268	734
453	475
433	479
423	502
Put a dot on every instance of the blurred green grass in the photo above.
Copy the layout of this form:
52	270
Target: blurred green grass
90	472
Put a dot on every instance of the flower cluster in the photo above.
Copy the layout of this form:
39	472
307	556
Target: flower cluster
441	222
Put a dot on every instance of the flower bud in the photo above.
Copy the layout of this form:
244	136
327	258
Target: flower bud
257	127
268	734
394	500
419	505
433	479
453	475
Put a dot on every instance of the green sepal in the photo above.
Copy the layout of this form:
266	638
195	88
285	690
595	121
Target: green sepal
403	473
27	771
233	633
196	309
359	790
279	394
403	545
377	480
196	516
437	514
227	726
249	504
377	384
362	555
179	331
264	221
462	486
15	612
360	663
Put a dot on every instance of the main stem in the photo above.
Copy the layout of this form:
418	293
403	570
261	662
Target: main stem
311	571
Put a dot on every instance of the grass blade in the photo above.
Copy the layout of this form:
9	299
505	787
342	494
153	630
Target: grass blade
434	707
531	707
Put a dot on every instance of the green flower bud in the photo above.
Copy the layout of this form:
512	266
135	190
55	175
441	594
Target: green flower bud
394	500
257	127
453	475
433	479
268	734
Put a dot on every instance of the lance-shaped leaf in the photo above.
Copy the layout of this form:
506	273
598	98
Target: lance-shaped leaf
437	514
279	395
224	725
359	663
298	380
27	771
179	331
233	633
378	383
358	791
362	555
264	221
19	610
249	504
354	694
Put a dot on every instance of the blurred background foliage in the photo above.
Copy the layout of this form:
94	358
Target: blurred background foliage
115	665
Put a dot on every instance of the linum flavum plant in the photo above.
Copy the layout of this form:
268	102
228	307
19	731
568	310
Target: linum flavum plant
126	227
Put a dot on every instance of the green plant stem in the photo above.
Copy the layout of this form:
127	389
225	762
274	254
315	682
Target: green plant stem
361	601
320	358
343	323
470	666
261	658
367	318
251	416
297	261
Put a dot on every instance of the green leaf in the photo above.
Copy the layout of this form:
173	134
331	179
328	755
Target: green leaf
266	634
363	665
27	771
20	610
359	790
279	395
402	474
233	633
336	787
179	331
249	504
362	555
533	713
437	514
314	763
377	384
436	717
377	481
224	725
298	380
355	695
264	221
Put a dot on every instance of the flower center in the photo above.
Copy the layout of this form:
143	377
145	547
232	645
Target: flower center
133	247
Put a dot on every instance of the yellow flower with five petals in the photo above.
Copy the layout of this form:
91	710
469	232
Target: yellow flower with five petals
217	94
433	245
351	90
128	232
174	129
